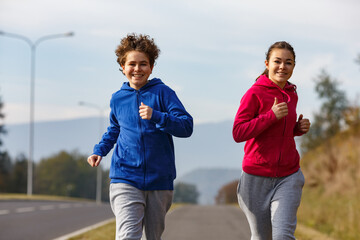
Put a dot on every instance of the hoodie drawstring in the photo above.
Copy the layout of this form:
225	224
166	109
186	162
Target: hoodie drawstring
288	97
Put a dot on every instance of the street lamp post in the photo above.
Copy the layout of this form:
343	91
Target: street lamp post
33	46
101	129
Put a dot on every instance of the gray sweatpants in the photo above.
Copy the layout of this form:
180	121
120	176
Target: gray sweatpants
271	204
139	212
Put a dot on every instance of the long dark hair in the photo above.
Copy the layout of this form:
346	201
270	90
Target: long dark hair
277	45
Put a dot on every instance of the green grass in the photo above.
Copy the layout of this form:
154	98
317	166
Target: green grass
106	232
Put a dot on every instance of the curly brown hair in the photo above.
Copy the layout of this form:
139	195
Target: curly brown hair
141	43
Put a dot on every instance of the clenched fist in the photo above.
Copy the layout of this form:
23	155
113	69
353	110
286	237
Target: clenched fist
304	124
94	160
280	109
145	111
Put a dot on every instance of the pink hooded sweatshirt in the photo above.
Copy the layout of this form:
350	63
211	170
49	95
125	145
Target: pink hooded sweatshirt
270	148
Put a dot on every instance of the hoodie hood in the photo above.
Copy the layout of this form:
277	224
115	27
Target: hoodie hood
150	83
264	81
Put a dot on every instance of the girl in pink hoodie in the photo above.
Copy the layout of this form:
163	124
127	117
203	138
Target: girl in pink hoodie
270	186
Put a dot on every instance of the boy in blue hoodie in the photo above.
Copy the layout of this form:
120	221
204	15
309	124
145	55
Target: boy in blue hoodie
145	114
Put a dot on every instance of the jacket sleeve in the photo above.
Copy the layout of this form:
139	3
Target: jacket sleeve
175	120
249	123
110	137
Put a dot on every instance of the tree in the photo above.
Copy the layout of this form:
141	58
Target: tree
185	193
5	161
66	174
357	60
18	183
2	127
331	118
5	172
69	174
352	114
227	193
105	186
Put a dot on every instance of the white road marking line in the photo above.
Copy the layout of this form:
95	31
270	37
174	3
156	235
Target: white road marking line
64	205
4	212
47	207
24	209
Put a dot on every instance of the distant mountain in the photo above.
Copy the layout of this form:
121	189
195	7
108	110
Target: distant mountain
209	181
210	146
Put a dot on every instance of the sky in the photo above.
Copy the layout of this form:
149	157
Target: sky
211	51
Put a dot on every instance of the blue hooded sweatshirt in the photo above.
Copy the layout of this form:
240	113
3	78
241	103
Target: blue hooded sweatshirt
144	154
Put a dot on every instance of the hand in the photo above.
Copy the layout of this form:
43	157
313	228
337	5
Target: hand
280	109
304	124
145	111
94	160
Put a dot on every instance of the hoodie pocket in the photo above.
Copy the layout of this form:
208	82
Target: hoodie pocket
129	157
267	152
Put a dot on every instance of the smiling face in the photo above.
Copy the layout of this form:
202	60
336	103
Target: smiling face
280	66
137	69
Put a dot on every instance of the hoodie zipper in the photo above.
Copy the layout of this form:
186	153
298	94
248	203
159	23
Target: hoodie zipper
283	134
285	116
141	138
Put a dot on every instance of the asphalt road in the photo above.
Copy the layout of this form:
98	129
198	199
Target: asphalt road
37	220
193	222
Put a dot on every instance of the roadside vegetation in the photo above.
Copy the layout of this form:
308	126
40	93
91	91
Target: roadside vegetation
62	174
330	201
106	232
331	165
